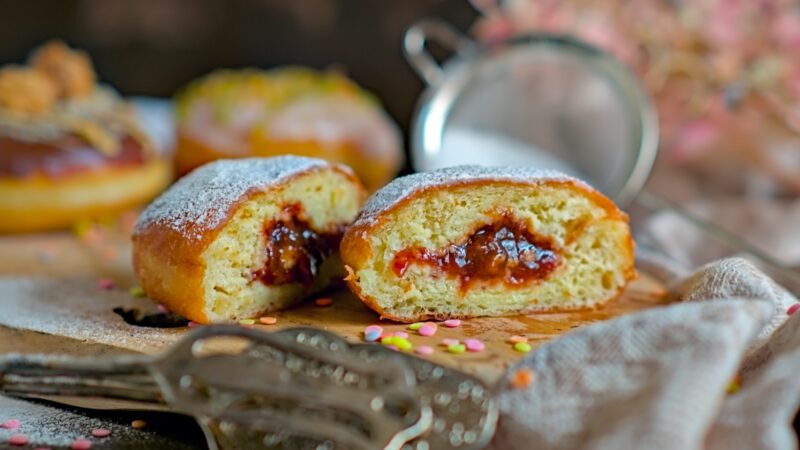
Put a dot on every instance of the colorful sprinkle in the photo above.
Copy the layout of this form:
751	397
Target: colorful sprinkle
448	342
192	324
324	301
474	345
428	329
424	350
268	320
138	424
162	309
106	284
522	378
735	385
81	444
372	333
403	344
393	347
398	342
792	309
10	424
18	439
522	347
517	338
456	348
401	334
136	291
452	323
101	432
247	322
415	326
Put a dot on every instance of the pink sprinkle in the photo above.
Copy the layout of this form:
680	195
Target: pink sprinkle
192	324
452	323
474	345
427	330
424	350
81	444
162	309
392	347
106	284
792	309
18	439
101	432
448	342
10	424
401	334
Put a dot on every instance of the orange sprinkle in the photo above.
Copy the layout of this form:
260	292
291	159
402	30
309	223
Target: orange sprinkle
138	424
266	320
522	378
324	301
517	338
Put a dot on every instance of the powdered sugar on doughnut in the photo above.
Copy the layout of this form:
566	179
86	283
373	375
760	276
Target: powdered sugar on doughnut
204	197
406	186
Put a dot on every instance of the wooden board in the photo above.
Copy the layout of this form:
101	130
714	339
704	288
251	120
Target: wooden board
67	268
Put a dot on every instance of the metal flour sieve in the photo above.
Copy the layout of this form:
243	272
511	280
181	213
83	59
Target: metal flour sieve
550	101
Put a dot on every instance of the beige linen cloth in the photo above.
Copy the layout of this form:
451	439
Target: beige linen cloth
665	378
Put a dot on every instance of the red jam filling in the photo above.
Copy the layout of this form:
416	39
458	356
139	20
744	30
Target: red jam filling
294	250
504	250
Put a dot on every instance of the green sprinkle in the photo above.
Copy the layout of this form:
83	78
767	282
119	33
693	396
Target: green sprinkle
247	322
456	348
522	347
415	326
402	343
136	291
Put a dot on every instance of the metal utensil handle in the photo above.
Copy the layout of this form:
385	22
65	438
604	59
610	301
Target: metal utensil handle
416	38
655	202
124	378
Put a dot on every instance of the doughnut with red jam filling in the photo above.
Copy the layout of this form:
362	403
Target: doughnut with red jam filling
235	239
471	241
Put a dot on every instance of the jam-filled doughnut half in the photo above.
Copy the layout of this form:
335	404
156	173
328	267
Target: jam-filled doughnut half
472	241
237	238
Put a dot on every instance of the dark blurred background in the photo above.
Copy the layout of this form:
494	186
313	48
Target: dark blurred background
153	47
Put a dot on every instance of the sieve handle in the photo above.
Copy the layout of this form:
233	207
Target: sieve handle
787	273
444	34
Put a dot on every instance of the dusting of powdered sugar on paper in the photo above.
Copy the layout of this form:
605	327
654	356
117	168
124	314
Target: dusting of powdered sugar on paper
204	197
77	309
408	185
55	426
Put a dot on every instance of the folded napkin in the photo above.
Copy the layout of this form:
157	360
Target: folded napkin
718	369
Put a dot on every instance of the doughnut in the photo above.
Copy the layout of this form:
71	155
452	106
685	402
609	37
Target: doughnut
230	114
473	241
69	149
237	238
